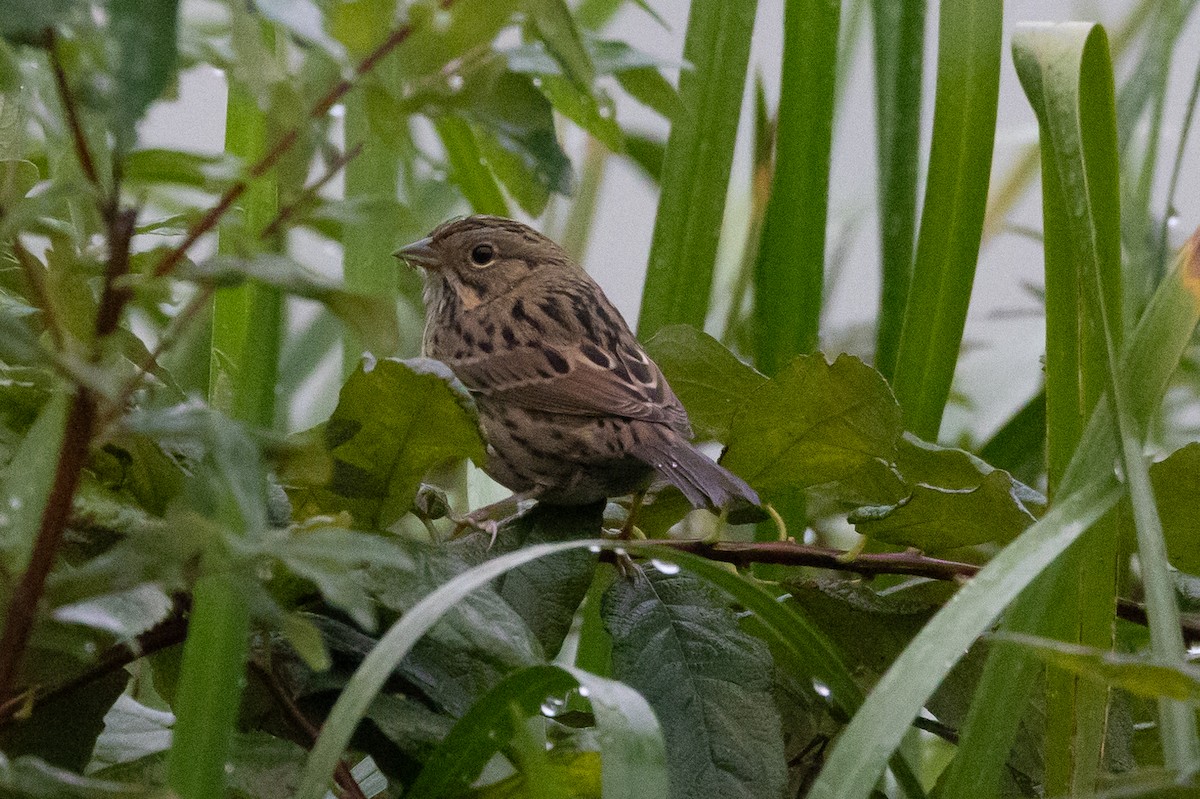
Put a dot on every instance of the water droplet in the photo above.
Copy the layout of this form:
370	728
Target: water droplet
674	464
821	688
4	520
338	110
15	503
553	706
89	647
549	746
606	112
537	81
665	568
455	82
594	549
228	768
584	691
441	21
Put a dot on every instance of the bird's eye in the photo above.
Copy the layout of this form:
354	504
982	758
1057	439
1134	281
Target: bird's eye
483	254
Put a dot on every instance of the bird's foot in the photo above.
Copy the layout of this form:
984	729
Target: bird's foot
489	519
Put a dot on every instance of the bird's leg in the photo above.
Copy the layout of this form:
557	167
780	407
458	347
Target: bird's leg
490	518
635	505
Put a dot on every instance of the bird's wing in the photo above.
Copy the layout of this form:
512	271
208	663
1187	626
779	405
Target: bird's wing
573	371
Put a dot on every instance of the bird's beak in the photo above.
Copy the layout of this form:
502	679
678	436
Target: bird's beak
419	253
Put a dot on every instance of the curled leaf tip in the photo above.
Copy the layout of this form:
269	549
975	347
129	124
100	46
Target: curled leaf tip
1190	256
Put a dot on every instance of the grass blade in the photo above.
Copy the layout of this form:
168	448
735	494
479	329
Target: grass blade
899	58
1067	74
696	169
960	158
789	273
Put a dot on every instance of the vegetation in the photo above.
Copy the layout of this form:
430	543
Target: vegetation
199	600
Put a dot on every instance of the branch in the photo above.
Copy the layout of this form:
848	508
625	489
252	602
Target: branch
869	564
108	204
285	143
287	703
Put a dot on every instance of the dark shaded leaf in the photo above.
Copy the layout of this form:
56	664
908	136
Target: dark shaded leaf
63	730
144	33
554	25
708	682
17	177
25	21
1176	482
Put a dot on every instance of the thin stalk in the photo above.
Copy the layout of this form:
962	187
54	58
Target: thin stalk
578	227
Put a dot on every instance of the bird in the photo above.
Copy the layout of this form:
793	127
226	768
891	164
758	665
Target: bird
572	408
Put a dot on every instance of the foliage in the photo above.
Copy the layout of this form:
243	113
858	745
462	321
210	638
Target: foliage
200	598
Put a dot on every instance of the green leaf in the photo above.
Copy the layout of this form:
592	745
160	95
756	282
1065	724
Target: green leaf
25	484
957	500
131	731
648	86
17	177
960	157
813	423
899	27
145	37
799	641
1176	486
696	168
592	111
634	762
392	648
789	272
555	26
648	153
156	165
468	168
709	379
394	422
547	592
1139	675
372	317
707	681
24	21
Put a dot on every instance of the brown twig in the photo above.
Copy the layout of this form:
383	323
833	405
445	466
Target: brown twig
870	564
288	211
282	145
287	703
78	138
22	608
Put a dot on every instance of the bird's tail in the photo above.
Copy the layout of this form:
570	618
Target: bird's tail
705	483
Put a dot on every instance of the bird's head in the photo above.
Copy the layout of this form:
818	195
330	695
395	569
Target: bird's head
483	257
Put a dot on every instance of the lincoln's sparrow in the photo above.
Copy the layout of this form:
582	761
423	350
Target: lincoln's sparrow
573	409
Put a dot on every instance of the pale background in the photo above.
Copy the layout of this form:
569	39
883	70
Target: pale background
1004	334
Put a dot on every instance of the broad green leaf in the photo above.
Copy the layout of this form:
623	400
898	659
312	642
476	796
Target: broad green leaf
122	614
1139	675
960	157
708	682
439	35
394	422
647	153
648	86
789	271
145	37
957	500
800	639
813	423
391	650
696	168
554	25
1177	488
709	379
371	317
156	165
